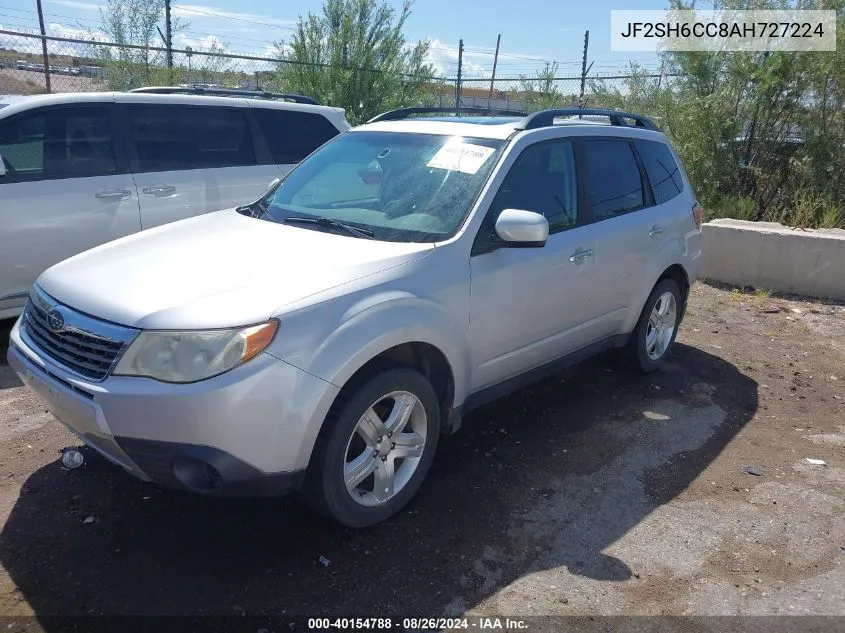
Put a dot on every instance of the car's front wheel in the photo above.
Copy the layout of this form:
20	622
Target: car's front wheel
376	450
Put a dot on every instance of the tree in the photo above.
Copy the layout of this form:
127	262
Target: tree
354	55
762	135
542	91
134	23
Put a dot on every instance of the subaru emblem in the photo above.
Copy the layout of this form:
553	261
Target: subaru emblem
55	320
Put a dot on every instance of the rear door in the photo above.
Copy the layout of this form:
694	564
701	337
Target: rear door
292	134
630	227
66	189
189	160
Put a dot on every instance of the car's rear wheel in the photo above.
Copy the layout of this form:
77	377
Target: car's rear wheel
376	450
657	327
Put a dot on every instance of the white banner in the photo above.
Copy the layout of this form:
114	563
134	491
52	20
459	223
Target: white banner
713	30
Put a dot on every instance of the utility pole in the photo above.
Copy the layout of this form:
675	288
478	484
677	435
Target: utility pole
493	76
584	68
168	29
460	67
44	46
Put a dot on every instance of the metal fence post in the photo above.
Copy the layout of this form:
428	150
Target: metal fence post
460	67
44	47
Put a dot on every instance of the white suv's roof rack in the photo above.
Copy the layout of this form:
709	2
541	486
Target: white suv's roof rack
546	118
226	92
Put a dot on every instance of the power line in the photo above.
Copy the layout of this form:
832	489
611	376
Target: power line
231	17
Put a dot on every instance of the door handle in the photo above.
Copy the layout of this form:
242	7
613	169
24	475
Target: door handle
656	230
578	256
158	189
113	194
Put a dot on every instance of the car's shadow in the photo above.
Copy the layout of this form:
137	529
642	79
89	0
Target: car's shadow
95	541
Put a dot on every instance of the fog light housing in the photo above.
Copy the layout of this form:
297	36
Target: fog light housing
72	458
197	475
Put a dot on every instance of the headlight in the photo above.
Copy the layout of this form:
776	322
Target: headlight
193	356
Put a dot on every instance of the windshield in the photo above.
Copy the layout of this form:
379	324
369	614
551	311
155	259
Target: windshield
402	187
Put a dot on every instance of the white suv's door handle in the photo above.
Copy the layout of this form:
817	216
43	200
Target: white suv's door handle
113	194
656	230
578	256
158	189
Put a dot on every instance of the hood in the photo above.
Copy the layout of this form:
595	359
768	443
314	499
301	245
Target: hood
222	269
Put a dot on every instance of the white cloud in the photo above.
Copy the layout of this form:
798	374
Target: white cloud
445	61
204	12
76	4
191	12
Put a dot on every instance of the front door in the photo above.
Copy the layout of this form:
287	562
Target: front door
528	306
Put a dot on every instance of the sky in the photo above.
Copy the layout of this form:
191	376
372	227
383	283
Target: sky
533	31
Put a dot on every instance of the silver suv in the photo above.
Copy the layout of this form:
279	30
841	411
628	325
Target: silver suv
323	337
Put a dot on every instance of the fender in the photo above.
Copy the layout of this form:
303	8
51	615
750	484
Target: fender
365	327
387	319
673	250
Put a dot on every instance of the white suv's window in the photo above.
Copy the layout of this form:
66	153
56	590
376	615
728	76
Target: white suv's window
400	186
613	178
57	143
663	172
543	179
291	134
169	137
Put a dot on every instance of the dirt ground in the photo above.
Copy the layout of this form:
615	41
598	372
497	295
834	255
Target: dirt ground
14	81
594	492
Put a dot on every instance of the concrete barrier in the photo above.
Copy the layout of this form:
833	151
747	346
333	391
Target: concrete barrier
772	256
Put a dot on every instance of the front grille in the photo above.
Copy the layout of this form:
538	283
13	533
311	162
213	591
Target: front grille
84	353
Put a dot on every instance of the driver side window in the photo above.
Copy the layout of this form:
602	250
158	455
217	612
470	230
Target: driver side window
544	180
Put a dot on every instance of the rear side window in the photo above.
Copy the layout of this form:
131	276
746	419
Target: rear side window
613	178
292	135
662	169
57	143
169	138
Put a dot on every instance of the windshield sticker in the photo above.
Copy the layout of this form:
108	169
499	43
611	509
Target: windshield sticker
463	157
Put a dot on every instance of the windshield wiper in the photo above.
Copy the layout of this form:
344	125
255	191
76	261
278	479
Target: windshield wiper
352	230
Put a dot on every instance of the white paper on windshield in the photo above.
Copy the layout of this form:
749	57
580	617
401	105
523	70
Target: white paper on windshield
463	157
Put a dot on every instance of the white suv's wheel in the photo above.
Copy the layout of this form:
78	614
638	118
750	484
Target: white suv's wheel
374	453
656	328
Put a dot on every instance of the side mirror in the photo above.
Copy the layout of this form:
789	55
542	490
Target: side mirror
520	228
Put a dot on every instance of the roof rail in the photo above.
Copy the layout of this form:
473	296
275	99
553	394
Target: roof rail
225	92
406	113
546	118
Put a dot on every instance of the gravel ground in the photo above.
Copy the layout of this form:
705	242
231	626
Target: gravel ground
594	492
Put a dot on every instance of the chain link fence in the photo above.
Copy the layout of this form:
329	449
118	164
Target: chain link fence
78	65
531	93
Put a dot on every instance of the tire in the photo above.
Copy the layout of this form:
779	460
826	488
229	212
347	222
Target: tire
351	447
643	352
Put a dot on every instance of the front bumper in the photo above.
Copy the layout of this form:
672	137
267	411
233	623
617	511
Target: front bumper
248	432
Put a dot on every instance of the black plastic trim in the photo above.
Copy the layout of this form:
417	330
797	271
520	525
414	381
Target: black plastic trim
157	460
508	386
226	92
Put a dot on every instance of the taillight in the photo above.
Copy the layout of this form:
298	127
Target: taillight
697	214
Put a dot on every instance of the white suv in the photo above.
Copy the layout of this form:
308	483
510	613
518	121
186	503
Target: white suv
78	170
321	338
